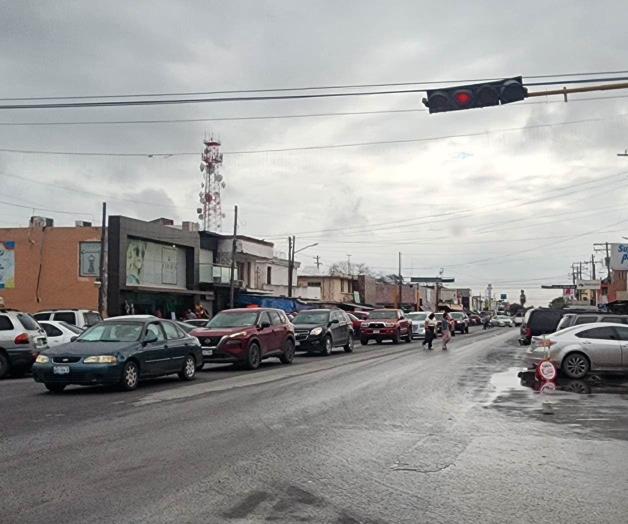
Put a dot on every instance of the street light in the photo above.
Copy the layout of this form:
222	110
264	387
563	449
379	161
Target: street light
304	248
291	261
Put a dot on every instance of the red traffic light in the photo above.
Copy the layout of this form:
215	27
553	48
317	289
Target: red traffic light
463	97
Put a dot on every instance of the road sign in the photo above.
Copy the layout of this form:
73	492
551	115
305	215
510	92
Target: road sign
546	371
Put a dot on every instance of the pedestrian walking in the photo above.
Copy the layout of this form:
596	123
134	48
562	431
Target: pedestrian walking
430	331
486	319
446	328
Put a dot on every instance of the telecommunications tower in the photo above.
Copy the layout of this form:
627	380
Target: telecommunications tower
212	182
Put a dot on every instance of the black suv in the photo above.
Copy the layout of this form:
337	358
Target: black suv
540	321
320	330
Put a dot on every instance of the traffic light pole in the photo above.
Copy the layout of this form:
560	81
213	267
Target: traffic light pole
567	90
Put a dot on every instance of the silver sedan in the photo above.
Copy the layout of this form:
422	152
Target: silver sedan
577	350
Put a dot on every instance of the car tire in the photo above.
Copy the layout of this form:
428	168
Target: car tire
189	369
288	352
396	337
253	356
130	376
575	365
54	388
328	346
348	347
4	365
364	341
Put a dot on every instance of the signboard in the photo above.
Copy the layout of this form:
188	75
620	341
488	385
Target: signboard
89	259
569	292
154	265
503	296
7	264
588	284
619	257
546	370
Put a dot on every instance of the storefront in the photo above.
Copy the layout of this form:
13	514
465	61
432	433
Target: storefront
152	268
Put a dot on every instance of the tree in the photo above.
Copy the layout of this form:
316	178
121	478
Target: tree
342	268
558	303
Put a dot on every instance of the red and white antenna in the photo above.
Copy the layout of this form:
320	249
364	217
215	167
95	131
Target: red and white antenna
212	183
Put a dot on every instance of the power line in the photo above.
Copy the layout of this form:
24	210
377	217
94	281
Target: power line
312	147
278	117
323	87
257	98
39	208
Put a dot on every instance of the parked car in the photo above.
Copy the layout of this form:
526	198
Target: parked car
418	323
356	323
362	315
386	324
59	332
197	322
21	340
321	330
576	319
120	350
82	318
475	320
578	350
502	321
460	321
247	336
539	321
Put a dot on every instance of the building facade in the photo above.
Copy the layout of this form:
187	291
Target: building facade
46	267
327	288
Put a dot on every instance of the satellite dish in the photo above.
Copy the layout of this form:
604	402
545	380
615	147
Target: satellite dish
219	178
223	185
202	166
199	210
200	217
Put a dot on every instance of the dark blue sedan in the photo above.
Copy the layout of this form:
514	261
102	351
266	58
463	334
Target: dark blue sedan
120	350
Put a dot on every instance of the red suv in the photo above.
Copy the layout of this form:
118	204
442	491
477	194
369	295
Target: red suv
389	324
247	336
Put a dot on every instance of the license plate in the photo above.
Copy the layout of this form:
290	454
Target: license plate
208	352
61	370
376	331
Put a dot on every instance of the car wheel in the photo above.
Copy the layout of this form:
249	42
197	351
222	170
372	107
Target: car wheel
327	346
4	365
364	341
253	357
575	365
288	352
395	339
54	388
189	369
408	337
130	376
349	345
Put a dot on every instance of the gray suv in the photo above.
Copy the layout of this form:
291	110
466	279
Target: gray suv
576	319
21	340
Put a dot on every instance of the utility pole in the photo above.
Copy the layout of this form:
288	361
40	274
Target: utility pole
349	264
291	250
102	291
593	266
400	283
234	246
318	262
604	247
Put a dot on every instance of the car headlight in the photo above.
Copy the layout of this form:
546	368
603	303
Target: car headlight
389	324
316	331
42	359
101	359
238	334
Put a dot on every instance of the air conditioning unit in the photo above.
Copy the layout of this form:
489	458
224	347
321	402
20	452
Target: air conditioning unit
82	223
238	283
41	222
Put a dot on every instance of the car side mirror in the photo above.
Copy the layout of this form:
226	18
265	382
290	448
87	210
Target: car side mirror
73	338
334	321
264	325
150	338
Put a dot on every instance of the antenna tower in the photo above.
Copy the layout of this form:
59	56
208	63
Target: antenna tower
210	212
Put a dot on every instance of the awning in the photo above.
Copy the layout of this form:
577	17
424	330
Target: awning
168	291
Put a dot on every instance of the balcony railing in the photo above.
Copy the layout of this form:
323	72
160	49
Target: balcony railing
216	274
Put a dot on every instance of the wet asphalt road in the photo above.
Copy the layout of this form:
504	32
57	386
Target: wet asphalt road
386	434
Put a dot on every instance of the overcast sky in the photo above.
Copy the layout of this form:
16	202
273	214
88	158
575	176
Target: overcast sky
511	206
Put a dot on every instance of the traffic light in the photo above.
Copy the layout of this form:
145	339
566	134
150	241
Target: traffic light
475	95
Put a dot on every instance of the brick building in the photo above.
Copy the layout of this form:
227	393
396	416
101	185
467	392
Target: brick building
46	267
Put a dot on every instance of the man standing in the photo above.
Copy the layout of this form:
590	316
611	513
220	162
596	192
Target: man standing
430	331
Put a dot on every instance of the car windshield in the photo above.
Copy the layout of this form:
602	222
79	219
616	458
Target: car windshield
233	319
312	317
112	331
417	316
388	315
457	316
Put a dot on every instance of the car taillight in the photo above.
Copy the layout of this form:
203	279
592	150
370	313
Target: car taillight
528	332
22	338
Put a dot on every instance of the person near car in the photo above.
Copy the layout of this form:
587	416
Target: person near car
446	329
430	331
486	320
189	314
